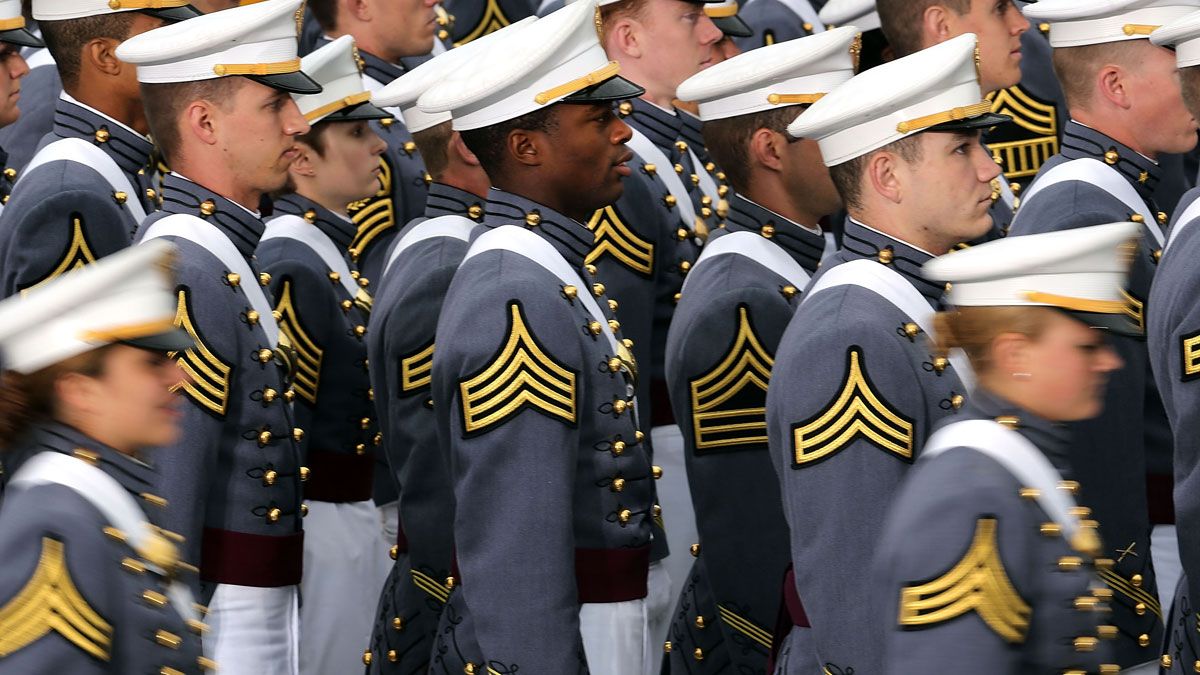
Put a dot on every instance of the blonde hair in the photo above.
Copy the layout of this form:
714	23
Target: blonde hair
974	329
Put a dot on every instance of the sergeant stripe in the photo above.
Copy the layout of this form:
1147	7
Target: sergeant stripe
745	626
1121	585
430	585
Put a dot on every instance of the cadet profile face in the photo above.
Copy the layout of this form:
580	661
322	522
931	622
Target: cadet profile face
256	133
809	177
586	157
407	26
1189	79
999	25
348	167
1156	96
12	69
947	190
677	41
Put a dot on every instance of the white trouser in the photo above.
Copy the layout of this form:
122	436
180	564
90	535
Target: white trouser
679	518
660	604
341	585
1168	568
614	634
254	631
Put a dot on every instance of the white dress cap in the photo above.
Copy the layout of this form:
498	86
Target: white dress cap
337	68
258	41
1075	23
1184	36
537	65
126	297
12	26
861	13
793	72
61	10
934	89
404	91
1081	270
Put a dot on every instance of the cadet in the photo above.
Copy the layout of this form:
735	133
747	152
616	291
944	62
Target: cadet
89	20
234	477
385	31
725	17
533	387
13	68
475	18
862	389
323	312
862	15
90	182
89	582
986	523
1126	109
401	338
734	307
1174	351
779	21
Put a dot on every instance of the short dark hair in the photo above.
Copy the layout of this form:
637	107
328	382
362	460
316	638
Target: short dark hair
1076	67
847	176
728	140
902	21
165	102
490	143
66	39
315	138
325	12
433	144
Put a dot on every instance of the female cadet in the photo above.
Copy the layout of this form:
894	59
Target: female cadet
987	563
322	305
88	583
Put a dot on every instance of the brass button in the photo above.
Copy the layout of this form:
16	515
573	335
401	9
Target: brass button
297	434
700	622
394	552
886	256
310	216
360	331
1086	644
393	656
1137	218
940	363
681	146
206	663
269	395
618	448
614	364
167	639
624	515
1069	486
154	598
649	168
570	292
131	565
410	147
695	179
304	471
475	212
808	27
682	234
656	472
335	277
469	669
378	438
347	305
1044	27
620	406
612	305
1086	603
264	355
667	646
208	207
365	423
695	550
397	623
1103	593
1157	254
1106	632
120	197
1136	580
625	109
450	582
1030	493
1050	529
722	190
269	477
102	135
304	510
789	292
289	395
656	510
10	173
273	515
594	327
252	317
591	269
956	401
1080	511
1111	156
912	330
638	436
1162	217
684	265
367	658
360	449
698	654
1165	661
618	485
197	627
264	279
533	219
679	168
768	231
151	194
598	289
387	122
614	325
264	438
669	200
1143	640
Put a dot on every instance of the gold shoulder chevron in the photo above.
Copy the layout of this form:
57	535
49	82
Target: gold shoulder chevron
307	372
416	370
1037	139
720	417
614	238
979	583
78	254
374	215
1135	309
50	602
492	20
208	375
857	411
521	374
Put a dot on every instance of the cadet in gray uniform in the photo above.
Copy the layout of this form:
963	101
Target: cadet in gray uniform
1106	172
475	18
13	69
734	308
44	85
401	339
862	388
1171	335
323	312
393	31
533	387
779	21
234	477
986	564
90	583
83	198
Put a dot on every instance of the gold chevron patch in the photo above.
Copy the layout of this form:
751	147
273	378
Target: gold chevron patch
78	254
208	375
493	19
521	375
745	626
1189	348
856	411
729	402
430	586
416	370
976	583
374	215
614	238
50	602
1135	309
1123	586
1024	145
306	373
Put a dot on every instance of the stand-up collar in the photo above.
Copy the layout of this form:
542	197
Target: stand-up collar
1080	141
572	239
340	230
129	149
447	200
861	241
243	227
803	245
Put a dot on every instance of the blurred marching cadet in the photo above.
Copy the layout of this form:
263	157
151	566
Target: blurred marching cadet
862	15
385	31
779	21
14	36
216	90
986	523
734	308
1126	108
323	312
863	387
93	26
533	386
401	338
1174	349
91	181
90	582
